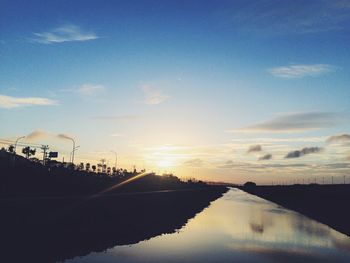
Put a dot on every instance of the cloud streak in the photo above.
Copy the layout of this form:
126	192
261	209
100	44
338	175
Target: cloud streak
9	102
65	33
302	152
267	156
300	71
153	96
194	162
273	17
339	138
296	122
126	117
254	148
36	135
40	134
89	89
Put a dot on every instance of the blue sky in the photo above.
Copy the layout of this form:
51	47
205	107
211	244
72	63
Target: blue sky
185	86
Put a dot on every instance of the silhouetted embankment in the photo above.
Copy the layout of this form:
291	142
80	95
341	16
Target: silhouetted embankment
49	230
328	204
25	178
50	214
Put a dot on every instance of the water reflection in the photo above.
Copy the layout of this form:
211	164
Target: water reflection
238	228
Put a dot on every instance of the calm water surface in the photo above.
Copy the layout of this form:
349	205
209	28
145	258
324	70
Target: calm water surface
238	227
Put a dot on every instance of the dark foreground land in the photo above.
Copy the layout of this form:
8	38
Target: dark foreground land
328	204
50	214
50	230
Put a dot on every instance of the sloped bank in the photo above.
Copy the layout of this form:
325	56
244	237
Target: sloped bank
50	230
328	204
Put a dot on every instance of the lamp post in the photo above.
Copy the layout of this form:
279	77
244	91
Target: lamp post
14	151
73	149
17	142
71	155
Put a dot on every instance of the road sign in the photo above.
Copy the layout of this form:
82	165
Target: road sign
53	154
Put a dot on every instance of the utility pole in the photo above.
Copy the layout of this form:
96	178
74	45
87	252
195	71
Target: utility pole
103	161
45	148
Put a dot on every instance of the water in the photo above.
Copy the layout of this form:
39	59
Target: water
238	227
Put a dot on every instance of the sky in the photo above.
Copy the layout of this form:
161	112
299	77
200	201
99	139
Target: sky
217	90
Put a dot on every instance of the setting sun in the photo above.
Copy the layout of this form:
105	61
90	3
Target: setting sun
165	163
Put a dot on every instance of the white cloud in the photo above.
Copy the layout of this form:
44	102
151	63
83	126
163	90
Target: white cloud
339	138
126	117
64	33
9	102
117	135
299	71
296	122
89	89
274	17
36	135
153	96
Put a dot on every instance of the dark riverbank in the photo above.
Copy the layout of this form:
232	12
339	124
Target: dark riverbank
50	230
328	204
52	212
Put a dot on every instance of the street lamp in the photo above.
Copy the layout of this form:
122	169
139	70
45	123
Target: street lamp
14	151
71	156
17	142
71	159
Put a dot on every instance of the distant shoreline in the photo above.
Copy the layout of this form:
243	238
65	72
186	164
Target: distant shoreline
328	204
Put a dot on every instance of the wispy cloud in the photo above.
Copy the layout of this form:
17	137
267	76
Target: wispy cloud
296	122
254	148
64	136
302	152
40	134
9	102
300	71
117	117
267	156
65	33
90	89
339	138
274	17
36	135
194	162
119	135
153	96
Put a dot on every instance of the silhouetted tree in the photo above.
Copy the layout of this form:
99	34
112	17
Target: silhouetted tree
27	151
87	167
249	185
93	168
11	149
81	166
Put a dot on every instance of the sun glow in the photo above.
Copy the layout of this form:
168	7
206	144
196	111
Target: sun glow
165	163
